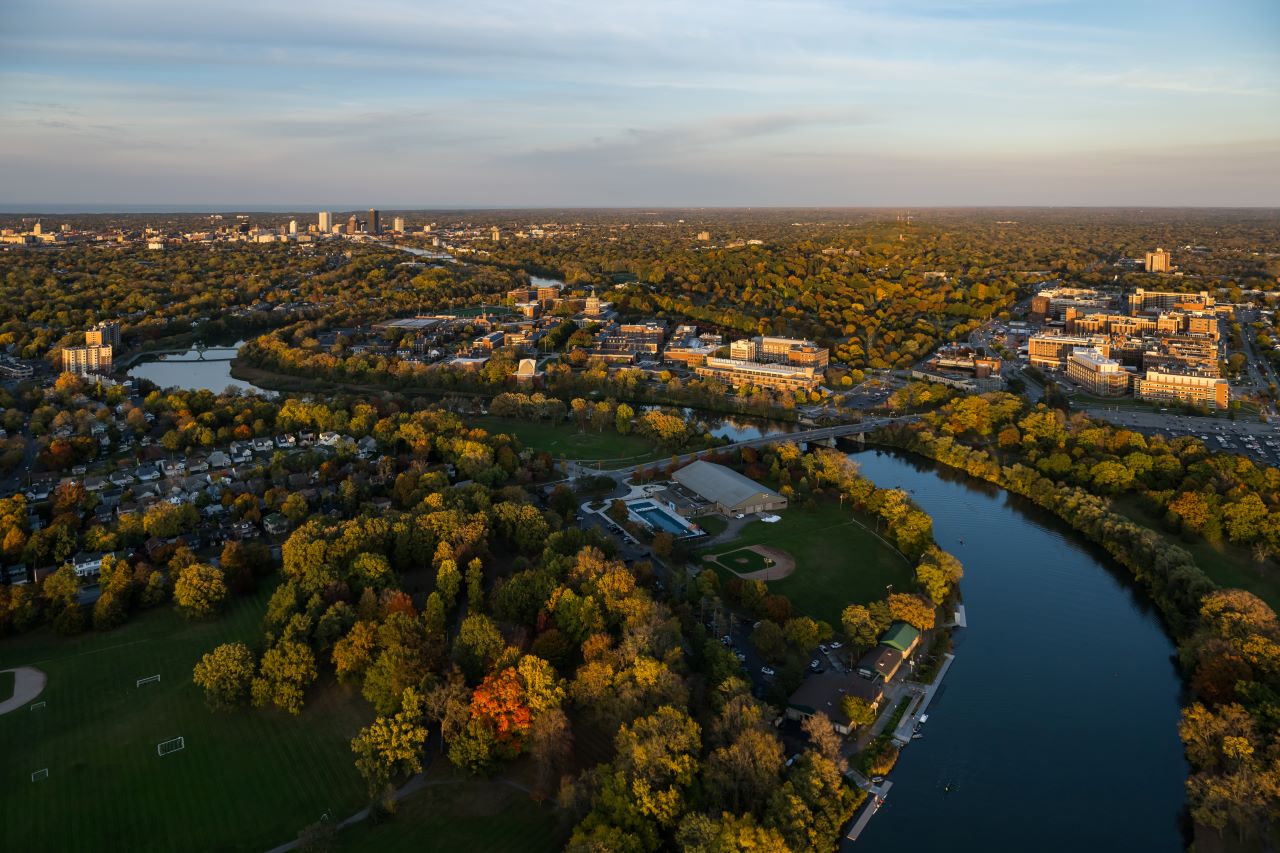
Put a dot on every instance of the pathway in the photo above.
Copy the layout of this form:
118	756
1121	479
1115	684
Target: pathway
28	683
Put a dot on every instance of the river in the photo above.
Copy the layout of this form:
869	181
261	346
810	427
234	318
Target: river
1056	726
187	371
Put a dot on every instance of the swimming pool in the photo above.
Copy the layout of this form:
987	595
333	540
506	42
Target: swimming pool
660	519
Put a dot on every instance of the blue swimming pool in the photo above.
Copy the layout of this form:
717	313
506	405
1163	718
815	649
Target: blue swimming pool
659	518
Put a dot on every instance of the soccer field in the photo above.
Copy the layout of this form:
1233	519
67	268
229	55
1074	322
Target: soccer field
247	780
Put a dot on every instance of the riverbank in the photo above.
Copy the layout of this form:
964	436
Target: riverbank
1026	713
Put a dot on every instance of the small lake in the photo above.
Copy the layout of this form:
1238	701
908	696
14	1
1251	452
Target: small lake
1056	726
189	371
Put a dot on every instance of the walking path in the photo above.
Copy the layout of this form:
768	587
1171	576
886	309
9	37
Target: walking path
28	683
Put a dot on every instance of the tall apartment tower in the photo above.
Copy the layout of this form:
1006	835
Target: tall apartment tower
353	225
293	227
105	334
397	224
1157	261
374	226
326	222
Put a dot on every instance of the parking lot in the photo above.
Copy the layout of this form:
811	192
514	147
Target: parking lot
1259	441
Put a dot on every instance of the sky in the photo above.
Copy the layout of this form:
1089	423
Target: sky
612	103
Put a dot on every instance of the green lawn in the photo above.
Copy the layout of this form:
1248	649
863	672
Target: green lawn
714	525
564	439
6	686
462	816
838	562
1228	565
245	781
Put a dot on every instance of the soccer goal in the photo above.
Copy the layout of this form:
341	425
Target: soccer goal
40	774
165	747
150	679
38	706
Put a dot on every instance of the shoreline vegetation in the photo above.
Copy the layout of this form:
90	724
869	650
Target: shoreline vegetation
1229	639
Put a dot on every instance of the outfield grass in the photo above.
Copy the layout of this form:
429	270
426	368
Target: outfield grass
1228	565
461	816
838	562
247	780
564	439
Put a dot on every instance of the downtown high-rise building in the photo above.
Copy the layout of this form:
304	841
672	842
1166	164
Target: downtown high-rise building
397	224
326	222
353	225
374	226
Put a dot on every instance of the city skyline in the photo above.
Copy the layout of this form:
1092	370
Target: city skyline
640	105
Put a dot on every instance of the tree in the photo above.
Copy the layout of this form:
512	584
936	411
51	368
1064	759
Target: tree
859	626
392	745
199	591
624	415
823	737
225	674
353	654
550	745
744	773
859	711
477	644
500	699
61	588
287	669
769	640
912	609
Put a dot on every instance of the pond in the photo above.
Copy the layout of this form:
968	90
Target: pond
1056	727
194	370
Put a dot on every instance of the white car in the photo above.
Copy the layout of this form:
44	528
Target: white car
764	670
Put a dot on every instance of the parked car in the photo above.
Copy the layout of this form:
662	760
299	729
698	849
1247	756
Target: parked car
764	670
836	644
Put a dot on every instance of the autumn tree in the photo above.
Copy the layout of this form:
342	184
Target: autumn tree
225	674
199	591
392	745
287	669
912	609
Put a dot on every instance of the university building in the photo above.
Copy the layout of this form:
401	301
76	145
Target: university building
1192	388
735	372
1097	374
1052	351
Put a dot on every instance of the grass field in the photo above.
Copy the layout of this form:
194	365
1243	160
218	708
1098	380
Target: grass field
245	781
742	561
565	439
461	816
1228	565
838	562
714	525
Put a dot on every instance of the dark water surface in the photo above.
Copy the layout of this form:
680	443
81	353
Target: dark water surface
1056	727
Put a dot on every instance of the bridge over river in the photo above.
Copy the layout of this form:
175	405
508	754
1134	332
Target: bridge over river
202	352
811	436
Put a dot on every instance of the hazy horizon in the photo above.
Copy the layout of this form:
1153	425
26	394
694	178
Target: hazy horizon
503	105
